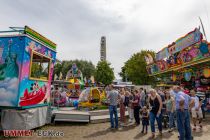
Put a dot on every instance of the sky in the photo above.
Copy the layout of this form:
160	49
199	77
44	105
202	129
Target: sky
130	26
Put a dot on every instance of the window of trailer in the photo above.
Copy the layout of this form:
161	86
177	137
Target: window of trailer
40	65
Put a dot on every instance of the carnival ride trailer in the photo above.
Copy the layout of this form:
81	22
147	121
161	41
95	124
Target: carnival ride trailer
26	66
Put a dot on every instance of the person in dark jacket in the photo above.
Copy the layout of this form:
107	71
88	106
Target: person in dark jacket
136	107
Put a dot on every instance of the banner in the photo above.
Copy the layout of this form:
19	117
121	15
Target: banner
180	44
162	54
188	40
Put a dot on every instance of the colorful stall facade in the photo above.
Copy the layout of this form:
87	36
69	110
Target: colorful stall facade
182	53
180	56
26	66
185	62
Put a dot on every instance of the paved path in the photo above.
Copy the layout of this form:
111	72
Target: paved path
101	132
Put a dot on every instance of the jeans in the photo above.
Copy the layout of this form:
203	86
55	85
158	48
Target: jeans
171	119
142	103
203	111
146	127
136	114
174	119
152	118
113	111
183	124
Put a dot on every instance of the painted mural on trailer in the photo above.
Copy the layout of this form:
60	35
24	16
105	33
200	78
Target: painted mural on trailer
10	64
34	92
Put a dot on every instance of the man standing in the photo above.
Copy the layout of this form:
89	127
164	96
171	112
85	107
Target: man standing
196	109
182	101
113	96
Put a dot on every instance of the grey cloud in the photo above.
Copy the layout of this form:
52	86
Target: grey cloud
77	25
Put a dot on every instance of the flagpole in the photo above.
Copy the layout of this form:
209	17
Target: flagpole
203	28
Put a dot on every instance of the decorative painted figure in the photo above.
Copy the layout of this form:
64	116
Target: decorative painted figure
204	48
149	59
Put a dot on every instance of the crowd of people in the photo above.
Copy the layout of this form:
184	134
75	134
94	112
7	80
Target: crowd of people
156	104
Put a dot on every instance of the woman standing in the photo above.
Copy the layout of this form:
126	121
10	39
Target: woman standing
130	106
136	107
170	108
122	107
155	111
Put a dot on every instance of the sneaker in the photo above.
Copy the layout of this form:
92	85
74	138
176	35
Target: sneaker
142	131
161	134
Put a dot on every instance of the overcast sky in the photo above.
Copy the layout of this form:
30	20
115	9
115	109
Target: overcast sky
129	25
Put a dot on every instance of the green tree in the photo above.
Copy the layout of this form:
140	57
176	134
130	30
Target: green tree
66	66
104	73
57	69
135	69
87	68
123	74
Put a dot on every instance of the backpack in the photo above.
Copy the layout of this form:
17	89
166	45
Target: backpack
126	101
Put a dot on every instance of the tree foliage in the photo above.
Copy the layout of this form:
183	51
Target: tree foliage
134	69
87	68
123	74
57	68
104	73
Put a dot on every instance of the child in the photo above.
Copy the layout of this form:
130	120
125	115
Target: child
145	119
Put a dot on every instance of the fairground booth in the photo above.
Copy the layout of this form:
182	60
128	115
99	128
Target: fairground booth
26	66
185	62
67	91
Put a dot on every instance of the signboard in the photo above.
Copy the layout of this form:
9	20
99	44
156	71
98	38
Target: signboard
184	52
188	40
162	54
40	37
180	44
